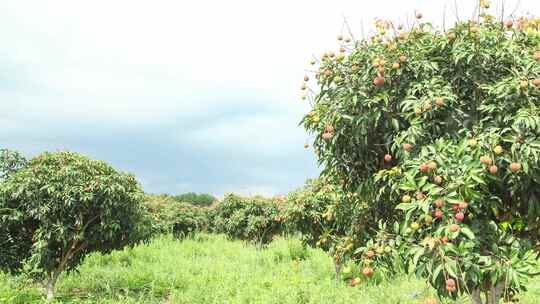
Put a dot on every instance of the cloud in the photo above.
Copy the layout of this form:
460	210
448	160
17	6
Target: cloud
188	95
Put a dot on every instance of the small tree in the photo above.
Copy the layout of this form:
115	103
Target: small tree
71	206
178	218
254	219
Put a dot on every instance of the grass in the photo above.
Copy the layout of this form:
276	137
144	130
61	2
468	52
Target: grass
211	269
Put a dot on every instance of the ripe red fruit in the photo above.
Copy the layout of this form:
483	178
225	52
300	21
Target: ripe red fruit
388	158
454	228
515	167
444	239
419	15
451	285
407	147
460	216
463	205
424	168
536	82
439	102
378	81
367	271
306	78
493	169
439	203
438	214
455	207
370	253
509	23
327	72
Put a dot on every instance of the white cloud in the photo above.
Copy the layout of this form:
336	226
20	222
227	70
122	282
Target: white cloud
78	66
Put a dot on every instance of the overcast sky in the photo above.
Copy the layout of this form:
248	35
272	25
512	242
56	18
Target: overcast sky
188	95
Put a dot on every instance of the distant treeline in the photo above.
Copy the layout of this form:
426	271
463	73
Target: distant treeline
197	199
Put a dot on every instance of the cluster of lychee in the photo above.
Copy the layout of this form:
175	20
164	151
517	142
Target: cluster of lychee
489	162
379	65
428	106
328	132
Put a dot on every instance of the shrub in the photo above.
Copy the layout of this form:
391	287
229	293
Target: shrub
171	216
411	117
333	219
65	206
248	218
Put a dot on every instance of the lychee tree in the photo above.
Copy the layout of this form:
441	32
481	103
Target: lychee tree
254	219
12	245
336	221
10	161
442	126
68	206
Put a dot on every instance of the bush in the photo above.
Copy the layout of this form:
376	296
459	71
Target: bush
63	206
171	216
408	118
248	218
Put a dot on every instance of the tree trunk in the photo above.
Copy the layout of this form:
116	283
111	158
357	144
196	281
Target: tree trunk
475	296
51	283
495	293
338	271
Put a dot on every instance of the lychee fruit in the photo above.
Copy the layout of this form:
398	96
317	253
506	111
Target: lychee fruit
407	147
515	167
454	228
378	81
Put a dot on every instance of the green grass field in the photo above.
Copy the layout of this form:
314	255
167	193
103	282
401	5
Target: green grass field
211	269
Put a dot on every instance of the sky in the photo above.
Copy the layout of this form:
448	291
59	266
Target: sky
196	96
